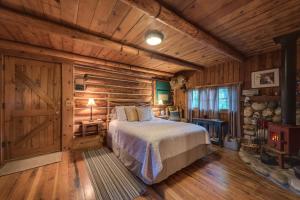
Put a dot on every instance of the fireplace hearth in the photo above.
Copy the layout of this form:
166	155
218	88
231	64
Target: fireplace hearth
268	159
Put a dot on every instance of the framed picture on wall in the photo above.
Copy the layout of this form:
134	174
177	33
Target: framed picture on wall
265	78
162	93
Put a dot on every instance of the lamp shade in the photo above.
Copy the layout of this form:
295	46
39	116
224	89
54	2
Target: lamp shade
91	102
160	102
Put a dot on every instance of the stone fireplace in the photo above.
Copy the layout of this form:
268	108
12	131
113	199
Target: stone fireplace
285	137
276	141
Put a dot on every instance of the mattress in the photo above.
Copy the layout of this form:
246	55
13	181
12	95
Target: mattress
152	143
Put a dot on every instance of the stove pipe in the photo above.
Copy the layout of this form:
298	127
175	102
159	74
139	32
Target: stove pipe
288	75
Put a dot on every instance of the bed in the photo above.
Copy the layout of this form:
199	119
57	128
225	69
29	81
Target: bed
156	149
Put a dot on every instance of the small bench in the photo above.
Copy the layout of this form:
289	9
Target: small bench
220	127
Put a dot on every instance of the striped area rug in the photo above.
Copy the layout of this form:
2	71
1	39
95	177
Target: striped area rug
110	178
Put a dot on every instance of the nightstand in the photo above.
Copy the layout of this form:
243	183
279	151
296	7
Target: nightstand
163	116
97	124
91	137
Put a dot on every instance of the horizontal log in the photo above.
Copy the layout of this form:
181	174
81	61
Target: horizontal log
19	47
79	119
104	81
79	103
112	103
111	73
117	88
122	96
115	99
105	94
87	112
116	84
99	77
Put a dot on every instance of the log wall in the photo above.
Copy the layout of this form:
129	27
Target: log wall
110	87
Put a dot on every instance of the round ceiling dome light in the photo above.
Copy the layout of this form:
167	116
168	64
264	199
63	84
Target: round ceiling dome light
154	38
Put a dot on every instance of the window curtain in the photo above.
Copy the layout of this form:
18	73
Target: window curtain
204	101
193	102
233	113
190	104
213	102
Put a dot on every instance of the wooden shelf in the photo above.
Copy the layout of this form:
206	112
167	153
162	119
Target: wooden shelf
262	98
266	98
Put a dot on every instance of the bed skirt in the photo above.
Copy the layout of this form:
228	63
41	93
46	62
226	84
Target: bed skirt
170	165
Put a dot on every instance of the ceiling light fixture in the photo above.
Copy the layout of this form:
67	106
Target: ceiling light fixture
154	38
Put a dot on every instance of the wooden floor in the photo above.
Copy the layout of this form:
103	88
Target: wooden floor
219	176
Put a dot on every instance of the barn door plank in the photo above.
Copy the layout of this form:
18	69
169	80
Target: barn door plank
25	79
32	113
34	131
9	103
1	109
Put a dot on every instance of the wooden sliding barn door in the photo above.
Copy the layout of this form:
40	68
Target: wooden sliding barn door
32	107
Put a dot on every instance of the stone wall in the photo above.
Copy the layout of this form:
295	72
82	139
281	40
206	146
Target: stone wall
253	111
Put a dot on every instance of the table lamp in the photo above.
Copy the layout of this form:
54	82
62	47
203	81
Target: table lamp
91	103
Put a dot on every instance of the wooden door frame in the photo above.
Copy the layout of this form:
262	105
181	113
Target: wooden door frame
67	110
1	109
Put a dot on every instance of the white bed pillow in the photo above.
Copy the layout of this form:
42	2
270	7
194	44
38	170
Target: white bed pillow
144	113
120	112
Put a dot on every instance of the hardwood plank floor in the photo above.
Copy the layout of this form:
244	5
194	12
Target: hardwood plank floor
219	176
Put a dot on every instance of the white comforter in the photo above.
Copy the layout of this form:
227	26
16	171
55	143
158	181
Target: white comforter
151	142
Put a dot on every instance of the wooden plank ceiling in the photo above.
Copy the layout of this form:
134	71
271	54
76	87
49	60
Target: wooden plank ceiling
246	25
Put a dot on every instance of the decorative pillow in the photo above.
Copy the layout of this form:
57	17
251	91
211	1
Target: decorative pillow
131	113
174	116
113	114
121	115
144	113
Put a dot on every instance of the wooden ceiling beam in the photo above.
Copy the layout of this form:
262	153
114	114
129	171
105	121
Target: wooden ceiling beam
6	45
9	16
174	21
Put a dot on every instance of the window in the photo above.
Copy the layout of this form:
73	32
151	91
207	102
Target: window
223	99
209	99
195	99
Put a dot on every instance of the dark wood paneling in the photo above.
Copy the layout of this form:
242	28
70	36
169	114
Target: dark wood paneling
1	108
232	71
